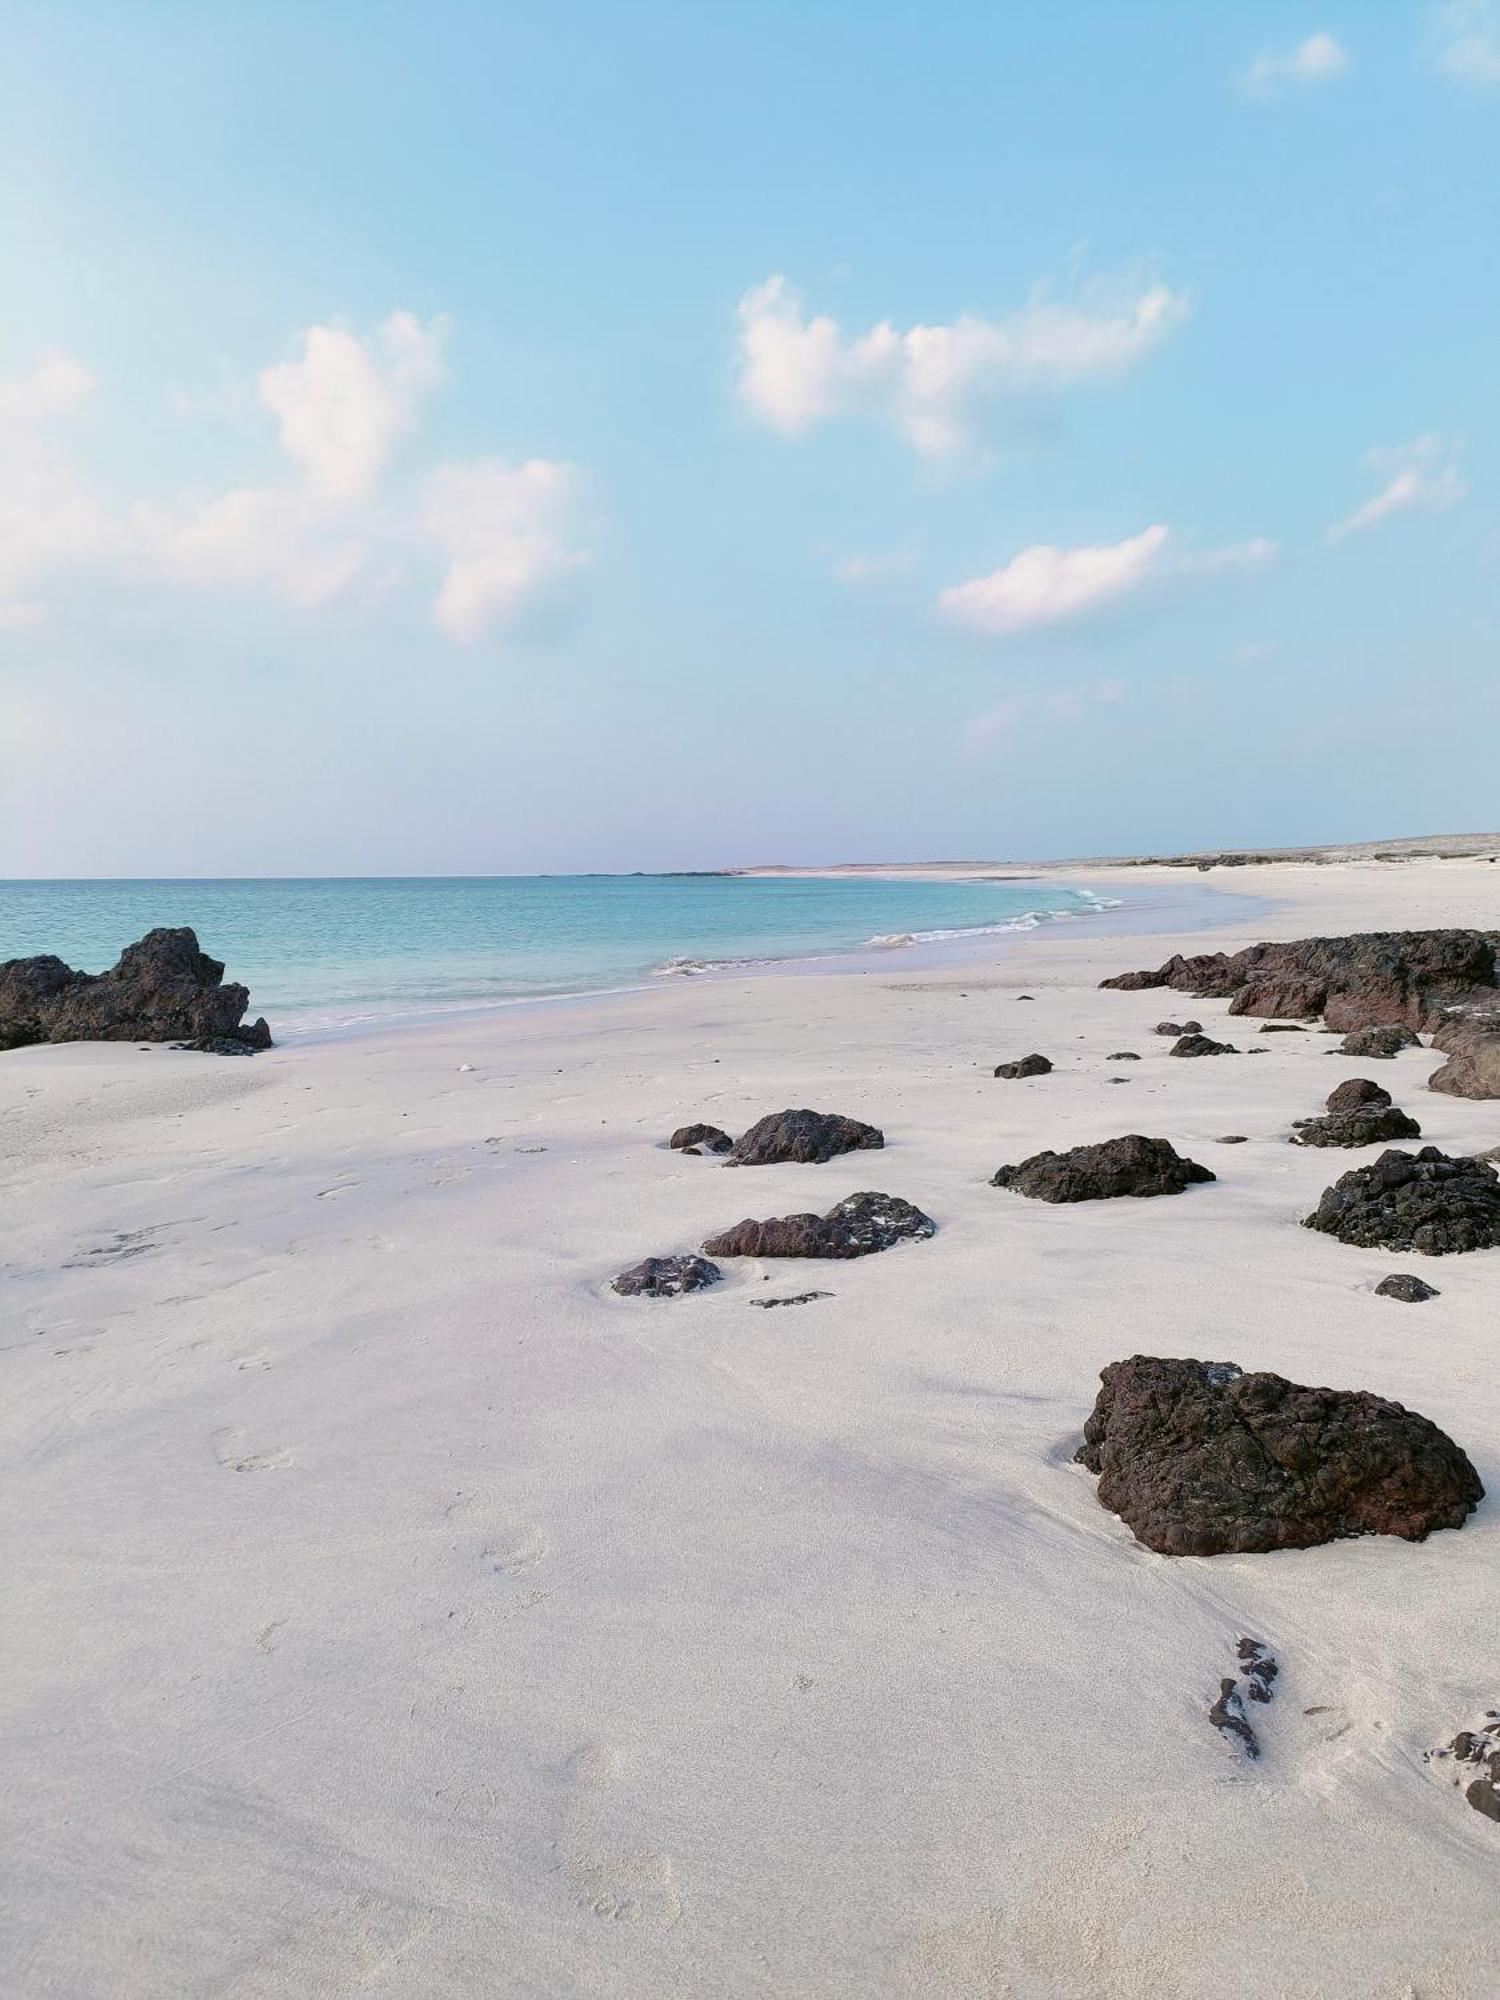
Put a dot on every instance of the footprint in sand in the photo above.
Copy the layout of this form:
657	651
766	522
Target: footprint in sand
231	1451
617	1884
518	1546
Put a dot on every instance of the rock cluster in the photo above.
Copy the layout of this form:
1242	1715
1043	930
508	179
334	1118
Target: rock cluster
1025	1066
1413	1201
1479	1749
805	1138
1175	1028
666	1277
163	989
855	1227
1129	1166
1364	1125
1411	977
1201	1459
1201	1045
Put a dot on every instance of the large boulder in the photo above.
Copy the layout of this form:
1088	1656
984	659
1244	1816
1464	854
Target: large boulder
1365	1125
1199	1459
1024	1066
806	1138
163	989
1355	1093
1383	1042
855	1227
1412	977
1129	1166
1413	1201
1471	1043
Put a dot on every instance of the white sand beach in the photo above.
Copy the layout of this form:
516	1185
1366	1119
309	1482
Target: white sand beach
394	1611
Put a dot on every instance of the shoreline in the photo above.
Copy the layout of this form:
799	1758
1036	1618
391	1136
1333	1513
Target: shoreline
393	1602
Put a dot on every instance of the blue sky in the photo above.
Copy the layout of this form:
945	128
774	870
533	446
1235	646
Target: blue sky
409	463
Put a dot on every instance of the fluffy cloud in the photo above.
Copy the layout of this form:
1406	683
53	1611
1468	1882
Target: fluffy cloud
1043	586
931	383
506	532
341	405
1423	474
1317	60
1467	43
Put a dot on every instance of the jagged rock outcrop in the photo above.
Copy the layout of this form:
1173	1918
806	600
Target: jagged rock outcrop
1025	1066
1411	977
666	1277
1413	1201
163	989
855	1227
1132	1165
805	1138
1201	1459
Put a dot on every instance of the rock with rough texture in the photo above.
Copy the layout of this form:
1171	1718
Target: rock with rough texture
1479	1750
1382	1042
1255	1682
855	1227
1410	1289
1413	1201
804	1138
1365	1125
1472	1047
1025	1066
1355	1092
700	1139
1175	1028
1200	1459
666	1277
1129	1166
1201	1045
1414	977
163	989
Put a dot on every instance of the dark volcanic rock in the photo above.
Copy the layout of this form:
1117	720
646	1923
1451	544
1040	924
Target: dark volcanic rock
666	1277
1358	1090
1414	977
855	1227
1128	1166
1199	1459
1233	1139
1025	1066
1365	1125
1178	1028
1282	1028
805	1138
700	1139
1123	1055
1479	1751
163	989
1413	1201
1201	1045
1409	1289
1255	1682
1382	1042
791	1299
216	1045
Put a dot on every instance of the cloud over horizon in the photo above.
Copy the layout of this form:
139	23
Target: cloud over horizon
1422	475
932	384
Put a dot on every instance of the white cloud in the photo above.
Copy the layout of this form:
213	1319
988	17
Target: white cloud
931	383
1043	586
1020	714
1467	43
506	533
1423	474
341	406
860	570
1317	60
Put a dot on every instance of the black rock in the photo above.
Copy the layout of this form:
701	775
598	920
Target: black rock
793	1299
1382	1043
700	1139
1201	1045
1025	1066
1123	1055
1479	1749
804	1138
1200	1459
855	1227
163	989
666	1277
1366	1125
1178	1028
1129	1166
1402	1285
1233	1139
1413	1201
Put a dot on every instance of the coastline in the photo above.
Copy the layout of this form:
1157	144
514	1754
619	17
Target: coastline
394	1606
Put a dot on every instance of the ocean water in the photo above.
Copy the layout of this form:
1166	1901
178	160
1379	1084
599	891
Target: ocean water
322	956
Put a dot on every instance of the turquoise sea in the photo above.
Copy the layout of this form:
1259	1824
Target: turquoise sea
321	956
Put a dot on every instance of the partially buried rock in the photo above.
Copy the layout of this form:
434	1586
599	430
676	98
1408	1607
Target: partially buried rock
1406	1287
1255	1682
1382	1043
1179	1027
804	1138
163	989
1025	1066
700	1139
855	1227
1123	1055
1234	1139
666	1277
1199	1459
791	1299
1357	1091
1413	1201
1201	1045
1283	1028
1129	1166
1479	1751
1365	1125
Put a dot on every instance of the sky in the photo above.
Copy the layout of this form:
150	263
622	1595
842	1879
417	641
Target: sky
498	438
